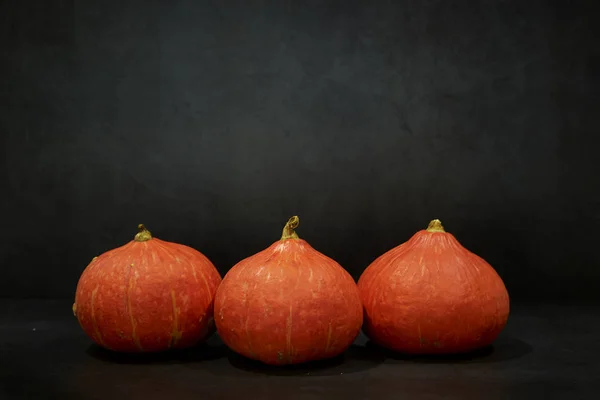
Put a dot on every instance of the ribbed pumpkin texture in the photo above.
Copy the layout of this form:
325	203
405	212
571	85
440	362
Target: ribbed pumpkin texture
288	304
148	295
430	295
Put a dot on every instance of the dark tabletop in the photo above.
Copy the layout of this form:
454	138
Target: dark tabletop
546	352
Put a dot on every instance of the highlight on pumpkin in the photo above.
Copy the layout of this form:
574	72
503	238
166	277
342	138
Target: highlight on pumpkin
288	229
143	234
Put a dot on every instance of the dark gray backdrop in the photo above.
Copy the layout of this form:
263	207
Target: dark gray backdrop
213	122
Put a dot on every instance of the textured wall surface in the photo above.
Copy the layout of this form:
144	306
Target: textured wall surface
213	122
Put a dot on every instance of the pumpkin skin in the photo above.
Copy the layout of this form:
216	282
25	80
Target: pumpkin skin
288	304
430	295
146	296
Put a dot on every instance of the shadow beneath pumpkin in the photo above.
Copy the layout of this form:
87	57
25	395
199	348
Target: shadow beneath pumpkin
355	359
204	352
504	349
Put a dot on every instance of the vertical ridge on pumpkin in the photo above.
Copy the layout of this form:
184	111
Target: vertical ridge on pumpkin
192	265
246	331
203	278
288	336
175	333
194	272
249	341
134	337
328	338
93	315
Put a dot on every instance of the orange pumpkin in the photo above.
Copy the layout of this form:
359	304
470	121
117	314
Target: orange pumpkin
288	304
148	295
430	295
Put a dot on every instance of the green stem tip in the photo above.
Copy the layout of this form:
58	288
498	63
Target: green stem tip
288	229
435	226
143	234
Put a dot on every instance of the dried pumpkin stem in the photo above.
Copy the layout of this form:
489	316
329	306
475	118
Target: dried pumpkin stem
288	230
143	235
435	226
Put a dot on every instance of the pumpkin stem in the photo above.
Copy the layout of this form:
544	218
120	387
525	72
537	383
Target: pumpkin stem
288	229
435	226
143	235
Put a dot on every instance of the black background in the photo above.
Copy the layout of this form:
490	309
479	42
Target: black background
214	122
